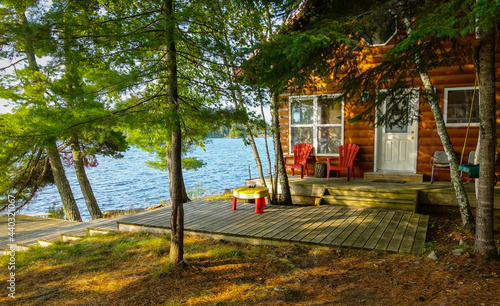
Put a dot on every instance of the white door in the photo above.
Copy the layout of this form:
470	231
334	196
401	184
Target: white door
396	144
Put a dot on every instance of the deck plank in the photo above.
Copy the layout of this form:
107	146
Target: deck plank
272	219
349	241
409	236
379	231
314	226
237	219
420	236
333	225
350	228
370	229
389	231
341	227
288	217
261	221
294	216
326	225
397	237
303	224
219	220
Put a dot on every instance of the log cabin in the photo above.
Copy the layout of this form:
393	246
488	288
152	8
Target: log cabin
402	150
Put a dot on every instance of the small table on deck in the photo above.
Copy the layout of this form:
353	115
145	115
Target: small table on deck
257	193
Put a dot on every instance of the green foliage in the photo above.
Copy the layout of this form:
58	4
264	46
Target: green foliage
163	202
236	130
196	192
326	41
429	246
56	211
52	87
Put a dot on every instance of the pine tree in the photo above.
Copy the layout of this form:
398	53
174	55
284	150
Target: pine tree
22	39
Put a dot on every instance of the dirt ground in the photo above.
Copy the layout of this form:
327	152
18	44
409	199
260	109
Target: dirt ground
224	273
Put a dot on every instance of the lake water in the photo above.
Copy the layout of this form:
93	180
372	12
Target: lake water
128	182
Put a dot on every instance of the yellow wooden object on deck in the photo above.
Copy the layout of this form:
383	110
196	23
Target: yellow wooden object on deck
250	193
257	193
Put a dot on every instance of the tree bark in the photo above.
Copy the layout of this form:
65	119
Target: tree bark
83	181
274	183
177	217
256	155
68	201
484	239
236	95
460	192
185	197
286	196
274	193
69	205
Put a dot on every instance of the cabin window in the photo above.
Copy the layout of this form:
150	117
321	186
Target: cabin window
457	106
317	120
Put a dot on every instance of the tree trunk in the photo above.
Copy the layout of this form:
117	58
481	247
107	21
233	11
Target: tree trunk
184	195
88	194
68	201
237	97
460	192
177	217
256	155
286	196
69	205
274	192
484	242
274	183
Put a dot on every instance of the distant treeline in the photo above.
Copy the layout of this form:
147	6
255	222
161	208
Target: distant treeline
236	131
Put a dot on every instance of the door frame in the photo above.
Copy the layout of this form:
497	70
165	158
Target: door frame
377	134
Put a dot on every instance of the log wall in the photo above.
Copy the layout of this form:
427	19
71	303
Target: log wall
428	139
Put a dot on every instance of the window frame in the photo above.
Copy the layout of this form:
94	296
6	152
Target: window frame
316	124
445	105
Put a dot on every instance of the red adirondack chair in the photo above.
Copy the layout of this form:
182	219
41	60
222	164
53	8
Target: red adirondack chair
301	153
346	159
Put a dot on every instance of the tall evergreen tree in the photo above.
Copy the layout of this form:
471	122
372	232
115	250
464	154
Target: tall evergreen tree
69	106
23	39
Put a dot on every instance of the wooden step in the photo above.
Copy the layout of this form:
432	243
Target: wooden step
383	194
408	205
394	176
69	238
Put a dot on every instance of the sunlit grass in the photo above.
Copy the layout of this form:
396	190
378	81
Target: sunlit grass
134	269
219	197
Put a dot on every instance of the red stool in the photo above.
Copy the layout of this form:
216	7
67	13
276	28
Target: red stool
257	193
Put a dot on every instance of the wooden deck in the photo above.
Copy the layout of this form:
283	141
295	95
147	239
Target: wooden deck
327	225
432	198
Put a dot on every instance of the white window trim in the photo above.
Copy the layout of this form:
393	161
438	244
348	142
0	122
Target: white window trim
315	123
445	106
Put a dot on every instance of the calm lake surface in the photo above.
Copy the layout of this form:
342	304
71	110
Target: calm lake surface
129	183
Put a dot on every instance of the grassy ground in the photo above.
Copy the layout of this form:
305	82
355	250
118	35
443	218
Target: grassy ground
133	269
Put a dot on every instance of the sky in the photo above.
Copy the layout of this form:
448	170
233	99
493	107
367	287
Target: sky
3	107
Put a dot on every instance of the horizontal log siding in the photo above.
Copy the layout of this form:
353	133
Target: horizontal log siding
361	134
428	139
